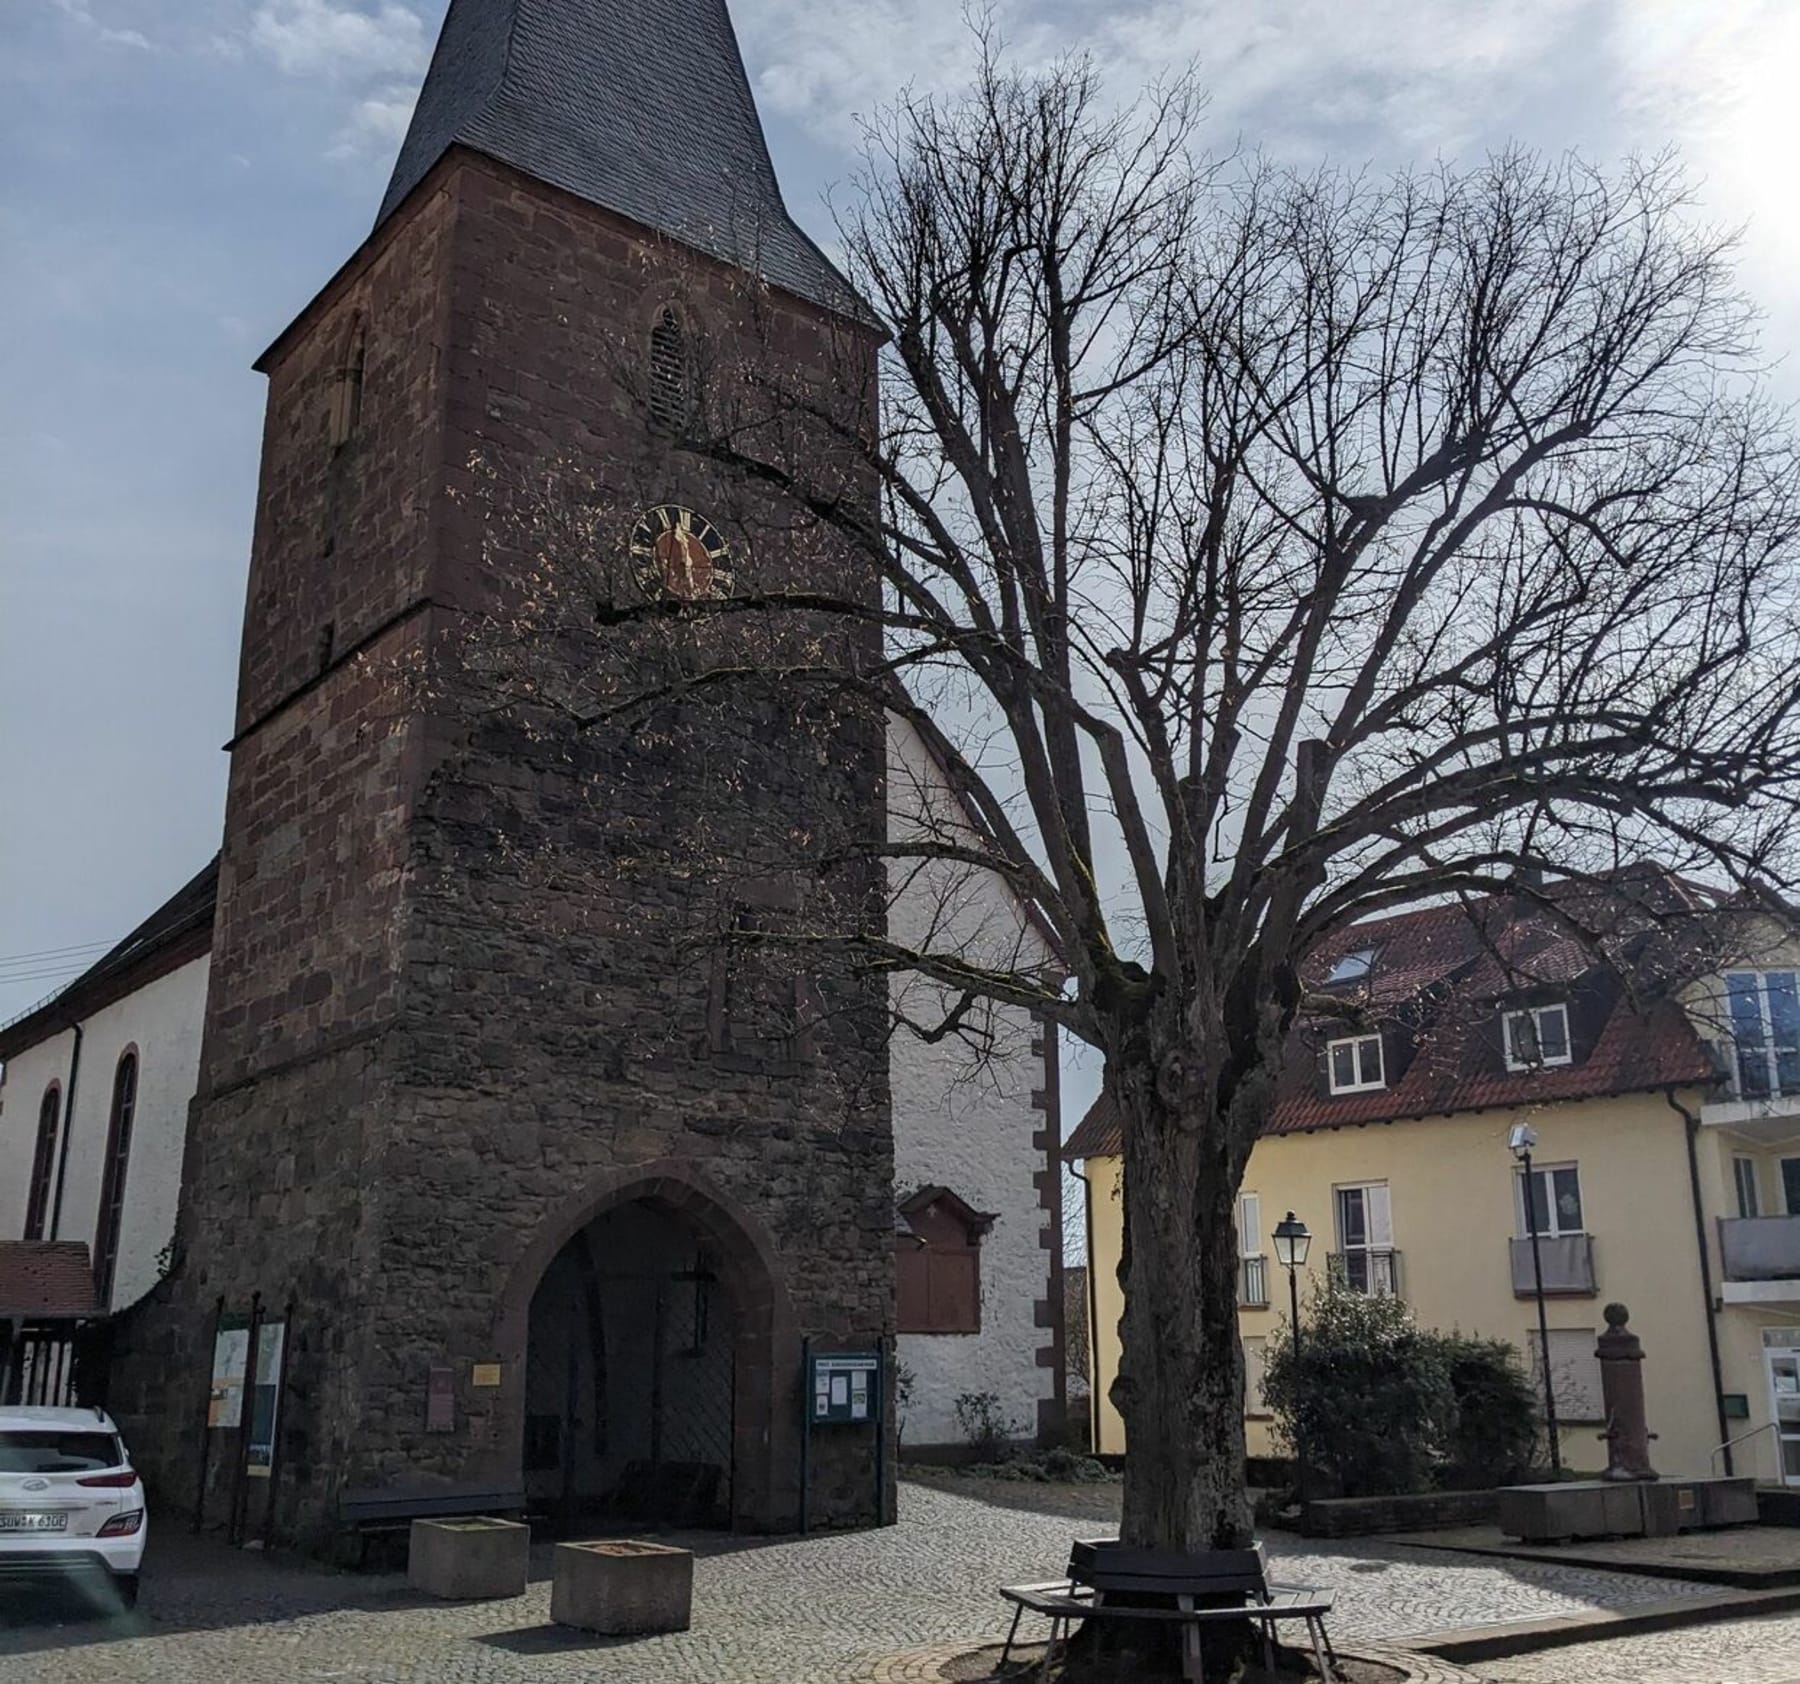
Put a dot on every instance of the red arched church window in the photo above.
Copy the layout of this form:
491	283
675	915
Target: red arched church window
112	1186
43	1164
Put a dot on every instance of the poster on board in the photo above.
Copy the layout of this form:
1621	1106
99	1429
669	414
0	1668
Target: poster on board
231	1357
265	1403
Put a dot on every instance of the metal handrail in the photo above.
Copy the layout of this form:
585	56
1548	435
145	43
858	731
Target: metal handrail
1766	1427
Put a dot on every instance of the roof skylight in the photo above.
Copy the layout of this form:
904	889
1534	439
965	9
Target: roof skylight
1353	967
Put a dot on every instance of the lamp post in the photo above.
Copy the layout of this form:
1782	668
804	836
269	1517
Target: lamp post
1292	1242
1520	1142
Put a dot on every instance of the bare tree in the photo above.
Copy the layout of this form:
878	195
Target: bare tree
1259	550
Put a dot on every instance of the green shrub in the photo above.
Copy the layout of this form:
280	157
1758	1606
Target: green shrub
1495	1436
985	1424
1370	1399
1382	1405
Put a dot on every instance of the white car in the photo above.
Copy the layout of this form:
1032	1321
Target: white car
69	1500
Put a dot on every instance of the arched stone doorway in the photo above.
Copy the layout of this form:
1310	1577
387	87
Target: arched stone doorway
648	1331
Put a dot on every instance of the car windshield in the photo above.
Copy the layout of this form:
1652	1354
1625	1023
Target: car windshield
55	1452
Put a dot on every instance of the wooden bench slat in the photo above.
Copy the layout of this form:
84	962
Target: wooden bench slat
374	1507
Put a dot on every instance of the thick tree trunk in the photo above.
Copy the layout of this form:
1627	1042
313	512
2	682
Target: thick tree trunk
1180	1387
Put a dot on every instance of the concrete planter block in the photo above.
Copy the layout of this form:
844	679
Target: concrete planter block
1694	1505
621	1587
469	1558
1590	1508
1728	1502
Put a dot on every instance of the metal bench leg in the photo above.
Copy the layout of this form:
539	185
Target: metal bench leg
1315	1629
1268	1637
1006	1653
1193	1666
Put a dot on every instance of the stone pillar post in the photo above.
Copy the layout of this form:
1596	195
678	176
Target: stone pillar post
1627	1435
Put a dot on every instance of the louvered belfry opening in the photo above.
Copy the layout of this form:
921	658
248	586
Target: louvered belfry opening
671	399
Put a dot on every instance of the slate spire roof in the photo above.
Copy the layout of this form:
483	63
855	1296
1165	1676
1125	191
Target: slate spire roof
639	106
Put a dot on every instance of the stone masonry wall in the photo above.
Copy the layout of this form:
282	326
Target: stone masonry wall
452	990
555	943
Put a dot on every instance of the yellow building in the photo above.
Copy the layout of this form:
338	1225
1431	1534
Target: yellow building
1666	1175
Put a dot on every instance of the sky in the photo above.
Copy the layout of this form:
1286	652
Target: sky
178	177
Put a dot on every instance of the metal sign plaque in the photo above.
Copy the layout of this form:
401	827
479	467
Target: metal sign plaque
844	1386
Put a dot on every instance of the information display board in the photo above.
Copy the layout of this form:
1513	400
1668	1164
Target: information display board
844	1386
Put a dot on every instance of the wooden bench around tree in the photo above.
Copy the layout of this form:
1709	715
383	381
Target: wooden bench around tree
394	1508
1197	1591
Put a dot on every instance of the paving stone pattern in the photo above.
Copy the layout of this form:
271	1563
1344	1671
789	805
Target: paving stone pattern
821	1610
1762	1651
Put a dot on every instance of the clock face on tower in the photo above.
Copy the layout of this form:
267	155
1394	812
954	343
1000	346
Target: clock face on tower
680	553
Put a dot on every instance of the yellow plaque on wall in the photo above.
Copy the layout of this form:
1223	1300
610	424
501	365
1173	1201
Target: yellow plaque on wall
485	1374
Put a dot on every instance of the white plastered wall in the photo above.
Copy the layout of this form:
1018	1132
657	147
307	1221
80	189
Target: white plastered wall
163	1021
966	1121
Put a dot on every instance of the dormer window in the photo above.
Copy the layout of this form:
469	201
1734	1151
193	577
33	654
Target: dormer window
1352	967
1536	1037
1353	1065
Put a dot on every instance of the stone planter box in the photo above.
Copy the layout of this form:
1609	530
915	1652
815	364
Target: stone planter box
620	1587
1539	1514
1583	1508
1425	1511
469	1559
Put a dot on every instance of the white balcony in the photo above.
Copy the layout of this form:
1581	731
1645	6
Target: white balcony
1567	1261
1761	1256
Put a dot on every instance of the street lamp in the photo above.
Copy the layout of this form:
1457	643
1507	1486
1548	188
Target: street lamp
1520	1143
1292	1242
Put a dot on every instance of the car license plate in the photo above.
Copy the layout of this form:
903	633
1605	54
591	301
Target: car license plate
33	1522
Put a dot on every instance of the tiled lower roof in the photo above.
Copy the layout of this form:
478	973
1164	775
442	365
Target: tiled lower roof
46	1280
1442	977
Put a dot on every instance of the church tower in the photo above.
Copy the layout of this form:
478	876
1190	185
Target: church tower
474	1125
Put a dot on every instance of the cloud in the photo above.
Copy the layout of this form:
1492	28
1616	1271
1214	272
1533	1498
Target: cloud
81	13
377	125
340	38
1290	73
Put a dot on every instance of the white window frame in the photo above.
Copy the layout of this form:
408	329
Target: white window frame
1253	1267
1769	1052
1745	1180
1356	1044
1353	966
1537	1014
1378	1234
1555	1230
1249	1225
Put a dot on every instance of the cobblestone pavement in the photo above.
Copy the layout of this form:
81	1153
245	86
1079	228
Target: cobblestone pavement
800	1611
1760	1651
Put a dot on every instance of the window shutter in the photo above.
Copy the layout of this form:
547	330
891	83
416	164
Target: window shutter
912	1287
955	1291
1249	1225
1256	1358
1381	1218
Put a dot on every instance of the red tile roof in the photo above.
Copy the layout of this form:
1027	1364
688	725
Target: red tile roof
46	1280
1441	979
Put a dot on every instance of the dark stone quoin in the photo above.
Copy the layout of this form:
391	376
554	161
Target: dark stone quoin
467	1119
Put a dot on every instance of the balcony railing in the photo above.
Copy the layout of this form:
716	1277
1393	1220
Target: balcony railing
1253	1282
1361	1270
1568	1264
1760	1248
1763	1074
